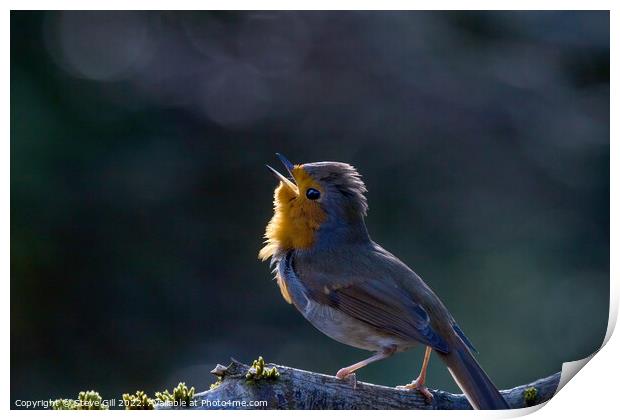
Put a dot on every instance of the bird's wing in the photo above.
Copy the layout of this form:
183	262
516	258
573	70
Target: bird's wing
373	298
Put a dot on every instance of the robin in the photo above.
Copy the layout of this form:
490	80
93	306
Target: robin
352	289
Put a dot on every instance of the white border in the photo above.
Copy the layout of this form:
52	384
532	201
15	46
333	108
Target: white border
590	393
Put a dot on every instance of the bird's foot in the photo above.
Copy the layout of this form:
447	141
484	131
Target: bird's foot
345	373
422	389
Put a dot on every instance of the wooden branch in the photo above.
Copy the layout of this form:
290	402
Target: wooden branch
301	390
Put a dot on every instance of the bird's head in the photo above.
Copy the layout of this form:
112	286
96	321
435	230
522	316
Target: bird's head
319	203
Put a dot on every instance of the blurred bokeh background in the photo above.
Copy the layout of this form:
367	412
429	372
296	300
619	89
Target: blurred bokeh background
139	194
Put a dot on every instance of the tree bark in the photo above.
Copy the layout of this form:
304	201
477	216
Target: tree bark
302	390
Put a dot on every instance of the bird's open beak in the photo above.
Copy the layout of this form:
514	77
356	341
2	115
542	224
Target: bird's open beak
289	167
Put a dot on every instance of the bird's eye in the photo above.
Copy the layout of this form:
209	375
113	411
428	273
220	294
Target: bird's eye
312	194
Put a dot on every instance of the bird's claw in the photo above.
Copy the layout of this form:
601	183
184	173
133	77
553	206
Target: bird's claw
345	374
421	389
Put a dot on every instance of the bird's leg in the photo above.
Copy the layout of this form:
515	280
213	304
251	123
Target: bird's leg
349	371
419	383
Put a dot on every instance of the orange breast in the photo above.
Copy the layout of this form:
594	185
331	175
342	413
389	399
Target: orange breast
296	219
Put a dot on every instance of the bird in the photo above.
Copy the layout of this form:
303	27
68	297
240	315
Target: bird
352	289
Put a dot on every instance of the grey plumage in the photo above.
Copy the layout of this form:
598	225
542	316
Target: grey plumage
356	292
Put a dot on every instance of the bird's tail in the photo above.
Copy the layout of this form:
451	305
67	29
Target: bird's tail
471	378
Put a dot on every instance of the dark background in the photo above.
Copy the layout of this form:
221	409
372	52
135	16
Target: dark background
139	194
